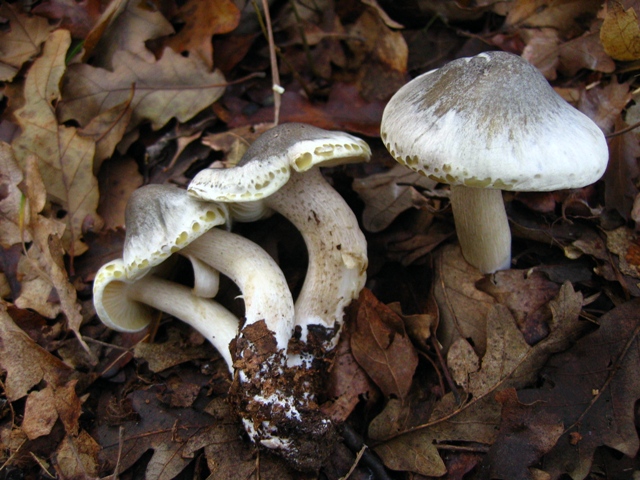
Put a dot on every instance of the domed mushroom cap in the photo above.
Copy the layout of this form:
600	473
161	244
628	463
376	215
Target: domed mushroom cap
266	165
492	121
161	220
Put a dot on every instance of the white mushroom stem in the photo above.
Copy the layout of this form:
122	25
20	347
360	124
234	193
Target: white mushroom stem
336	246
212	320
264	289
482	227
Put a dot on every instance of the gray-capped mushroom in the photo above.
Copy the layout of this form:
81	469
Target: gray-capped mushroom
127	305
485	124
277	173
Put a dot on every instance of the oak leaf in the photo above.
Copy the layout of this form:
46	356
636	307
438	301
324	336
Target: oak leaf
65	158
173	86
593	388
21	41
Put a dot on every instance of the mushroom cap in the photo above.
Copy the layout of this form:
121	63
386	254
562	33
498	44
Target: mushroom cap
266	165
492	121
161	220
111	303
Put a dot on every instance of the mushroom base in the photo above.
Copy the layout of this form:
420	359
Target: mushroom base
277	403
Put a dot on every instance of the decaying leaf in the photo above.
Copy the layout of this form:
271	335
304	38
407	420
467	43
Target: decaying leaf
13	216
508	363
173	86
65	158
620	32
387	195
203	20
21	41
118	179
382	348
593	389
165	431
77	457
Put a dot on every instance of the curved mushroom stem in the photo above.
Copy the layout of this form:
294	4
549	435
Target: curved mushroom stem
264	289
337	252
218	325
482	227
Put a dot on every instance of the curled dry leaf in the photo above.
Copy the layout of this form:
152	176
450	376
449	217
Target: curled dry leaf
173	86
380	345
593	388
65	158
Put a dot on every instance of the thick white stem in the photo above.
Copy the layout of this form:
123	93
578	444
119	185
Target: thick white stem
336	246
212	320
482	227
264	288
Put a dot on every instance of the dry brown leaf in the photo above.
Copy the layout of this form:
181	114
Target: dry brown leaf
76	16
13	216
380	345
620	188
173	86
584	52
203	19
22	40
39	417
604	103
65	159
118	178
107	129
542	50
566	16
161	356
387	195
620	32
463	308
25	362
126	26
508	363
77	457
593	388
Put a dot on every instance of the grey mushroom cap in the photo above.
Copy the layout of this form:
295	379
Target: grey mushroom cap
161	220
493	121
266	165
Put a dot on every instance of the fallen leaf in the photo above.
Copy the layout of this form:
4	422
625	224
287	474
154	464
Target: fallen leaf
22	40
380	345
77	457
620	190
65	159
386	195
567	16
166	431
604	103
526	434
118	178
161	356
125	27
508	363
202	20
620	32
173	86
463	308
25	362
526	294
13	215
77	16
593	394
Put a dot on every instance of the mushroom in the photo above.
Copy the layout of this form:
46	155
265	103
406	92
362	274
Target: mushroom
276	173
163	220
127	305
485	124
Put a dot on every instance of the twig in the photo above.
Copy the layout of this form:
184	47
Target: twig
445	370
275	75
624	130
355	463
354	442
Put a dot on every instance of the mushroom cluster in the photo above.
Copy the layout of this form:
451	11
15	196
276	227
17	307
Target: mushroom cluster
274	353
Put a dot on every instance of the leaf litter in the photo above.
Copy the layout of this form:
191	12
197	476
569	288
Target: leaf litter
528	373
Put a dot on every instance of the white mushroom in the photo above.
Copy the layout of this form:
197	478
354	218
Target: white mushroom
127	305
277	173
485	124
